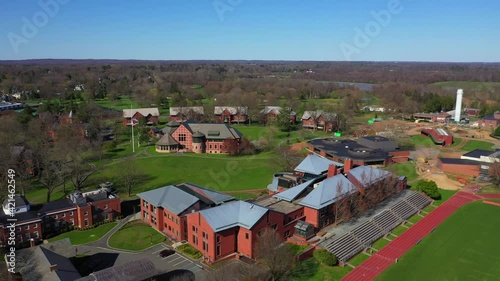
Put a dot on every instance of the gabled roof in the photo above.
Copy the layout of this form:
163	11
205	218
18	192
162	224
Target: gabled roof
294	192
316	165
315	114
367	175
55	205
167	139
232	109
169	197
277	109
328	192
186	109
213	130
40	263
237	213
489	117
137	269
128	113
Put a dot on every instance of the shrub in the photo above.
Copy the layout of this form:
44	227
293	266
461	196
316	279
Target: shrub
325	257
189	251
429	188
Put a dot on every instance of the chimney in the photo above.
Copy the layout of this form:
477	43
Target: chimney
347	165
332	171
53	267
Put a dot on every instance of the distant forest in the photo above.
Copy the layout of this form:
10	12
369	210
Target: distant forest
404	87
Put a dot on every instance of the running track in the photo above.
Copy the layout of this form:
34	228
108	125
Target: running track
380	261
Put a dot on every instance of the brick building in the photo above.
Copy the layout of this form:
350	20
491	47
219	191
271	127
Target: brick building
269	115
319	120
80	209
443	117
231	114
183	113
166	208
490	122
198	138
133	116
438	136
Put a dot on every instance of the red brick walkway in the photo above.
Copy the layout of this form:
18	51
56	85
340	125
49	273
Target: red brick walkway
380	261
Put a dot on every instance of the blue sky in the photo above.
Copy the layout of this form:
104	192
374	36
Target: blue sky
418	30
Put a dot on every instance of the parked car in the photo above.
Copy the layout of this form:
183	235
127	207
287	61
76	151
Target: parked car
166	253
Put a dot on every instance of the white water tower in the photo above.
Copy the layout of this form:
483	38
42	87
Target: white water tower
458	106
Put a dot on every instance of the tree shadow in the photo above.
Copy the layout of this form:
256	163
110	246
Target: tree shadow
176	275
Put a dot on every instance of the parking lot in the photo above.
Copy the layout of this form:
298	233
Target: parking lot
175	261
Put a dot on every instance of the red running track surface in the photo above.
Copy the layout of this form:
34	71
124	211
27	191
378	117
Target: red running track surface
380	261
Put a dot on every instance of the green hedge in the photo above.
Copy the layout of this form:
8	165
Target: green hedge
325	257
188	250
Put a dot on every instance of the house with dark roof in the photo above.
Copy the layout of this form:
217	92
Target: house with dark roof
319	120
490	122
231	229
270	114
138	269
231	114
166	208
183	113
474	163
198	138
80	209
149	115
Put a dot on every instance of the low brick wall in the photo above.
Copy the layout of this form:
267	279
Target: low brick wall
306	254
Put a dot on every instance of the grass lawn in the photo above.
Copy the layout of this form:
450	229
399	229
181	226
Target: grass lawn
135	236
445	195
404	169
311	270
489	189
399	230
429	208
189	251
456	141
297	249
464	247
244	195
379	244
123	103
78	237
477	144
414	219
358	259
222	172
420	140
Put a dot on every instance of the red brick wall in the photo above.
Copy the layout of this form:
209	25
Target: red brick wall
84	212
312	216
309	121
107	205
30	228
214	147
488	124
189	137
469	170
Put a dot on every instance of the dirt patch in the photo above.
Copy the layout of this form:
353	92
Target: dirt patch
298	146
442	181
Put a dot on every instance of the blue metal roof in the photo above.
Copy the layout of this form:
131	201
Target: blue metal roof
292	193
328	192
273	186
367	175
238	213
214	196
169	197
316	165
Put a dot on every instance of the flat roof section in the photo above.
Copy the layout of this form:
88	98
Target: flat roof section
345	148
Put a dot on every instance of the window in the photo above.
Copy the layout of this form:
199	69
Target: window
195	229
71	213
85	213
182	137
55	217
218	250
72	221
105	206
36	234
205	235
63	215
287	233
27	227
218	239
205	246
20	238
28	236
261	233
177	221
86	222
246	235
195	239
274	226
106	217
19	229
210	146
36	225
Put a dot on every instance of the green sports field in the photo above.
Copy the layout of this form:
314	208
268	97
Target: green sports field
464	247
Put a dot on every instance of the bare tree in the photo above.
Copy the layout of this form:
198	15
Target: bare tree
494	174
343	210
130	174
274	254
50	176
287	158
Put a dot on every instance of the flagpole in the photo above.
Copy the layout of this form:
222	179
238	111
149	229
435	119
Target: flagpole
132	122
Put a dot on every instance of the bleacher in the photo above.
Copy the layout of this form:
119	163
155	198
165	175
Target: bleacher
367	233
362	236
387	221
